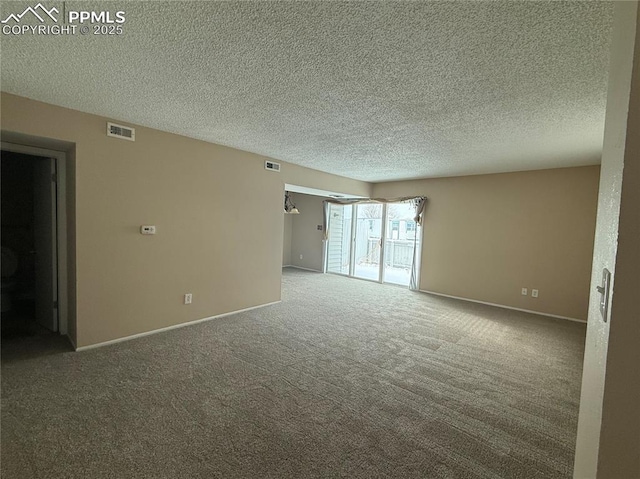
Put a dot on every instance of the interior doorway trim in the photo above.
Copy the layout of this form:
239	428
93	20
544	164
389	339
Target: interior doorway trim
61	226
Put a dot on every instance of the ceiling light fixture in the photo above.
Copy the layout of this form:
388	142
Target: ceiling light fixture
289	207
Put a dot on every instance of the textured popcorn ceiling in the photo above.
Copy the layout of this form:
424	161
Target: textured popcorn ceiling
373	91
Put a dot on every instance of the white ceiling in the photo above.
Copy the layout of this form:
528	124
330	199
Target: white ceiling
374	91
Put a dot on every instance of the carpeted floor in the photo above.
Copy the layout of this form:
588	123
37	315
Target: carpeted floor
344	378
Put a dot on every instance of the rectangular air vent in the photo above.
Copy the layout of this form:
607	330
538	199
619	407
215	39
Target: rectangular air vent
271	166
120	131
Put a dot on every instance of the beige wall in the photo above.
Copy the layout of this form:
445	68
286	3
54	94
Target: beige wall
217	210
488	236
306	239
608	442
286	243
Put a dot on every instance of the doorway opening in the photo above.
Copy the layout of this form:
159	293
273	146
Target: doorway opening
373	241
31	290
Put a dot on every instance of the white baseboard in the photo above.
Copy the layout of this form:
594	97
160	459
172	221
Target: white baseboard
300	267
505	307
169	328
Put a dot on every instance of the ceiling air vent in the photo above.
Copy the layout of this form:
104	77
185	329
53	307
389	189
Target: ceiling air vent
271	166
120	131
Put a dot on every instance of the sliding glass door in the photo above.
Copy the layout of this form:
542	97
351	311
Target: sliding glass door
400	240
373	241
367	241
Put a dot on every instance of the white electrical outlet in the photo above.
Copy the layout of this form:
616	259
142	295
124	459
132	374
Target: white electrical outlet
188	298
300	256
534	293
524	291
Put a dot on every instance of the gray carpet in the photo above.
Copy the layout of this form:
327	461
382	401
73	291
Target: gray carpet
344	378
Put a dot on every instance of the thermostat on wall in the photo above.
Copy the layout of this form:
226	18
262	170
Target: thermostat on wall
148	230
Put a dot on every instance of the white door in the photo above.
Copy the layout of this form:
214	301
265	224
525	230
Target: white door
44	229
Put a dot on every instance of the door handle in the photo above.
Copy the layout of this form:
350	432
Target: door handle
604	292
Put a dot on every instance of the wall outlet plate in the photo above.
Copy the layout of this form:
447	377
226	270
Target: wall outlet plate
534	293
188	298
524	291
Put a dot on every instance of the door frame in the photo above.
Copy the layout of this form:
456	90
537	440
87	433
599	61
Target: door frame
60	158
383	238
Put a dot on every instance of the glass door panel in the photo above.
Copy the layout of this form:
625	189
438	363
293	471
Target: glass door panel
366	242
339	245
400	236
